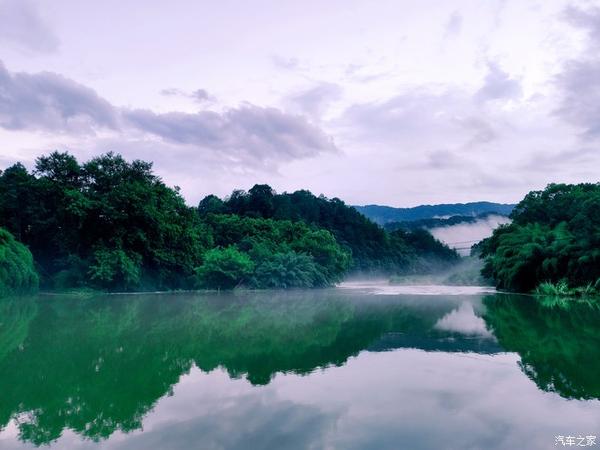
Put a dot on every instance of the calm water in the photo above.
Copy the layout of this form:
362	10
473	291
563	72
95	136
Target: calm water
348	368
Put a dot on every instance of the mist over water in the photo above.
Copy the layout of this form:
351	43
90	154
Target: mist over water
434	285
463	236
342	368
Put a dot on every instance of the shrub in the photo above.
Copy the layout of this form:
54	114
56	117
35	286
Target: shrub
17	272
116	269
224	268
288	270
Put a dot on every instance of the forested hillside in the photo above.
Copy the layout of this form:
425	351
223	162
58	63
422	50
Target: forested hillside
113	224
385	214
437	222
554	237
372	248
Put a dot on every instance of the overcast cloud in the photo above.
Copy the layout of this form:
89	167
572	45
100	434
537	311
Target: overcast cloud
50	102
579	80
242	134
21	24
410	102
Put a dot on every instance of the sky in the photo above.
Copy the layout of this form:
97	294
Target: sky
390	102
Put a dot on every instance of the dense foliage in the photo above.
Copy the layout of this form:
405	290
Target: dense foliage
429	249
107	223
268	253
113	224
17	273
555	235
371	247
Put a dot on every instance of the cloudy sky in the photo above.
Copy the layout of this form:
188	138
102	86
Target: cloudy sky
393	102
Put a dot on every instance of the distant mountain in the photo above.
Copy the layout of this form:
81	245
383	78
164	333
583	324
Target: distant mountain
386	214
410	225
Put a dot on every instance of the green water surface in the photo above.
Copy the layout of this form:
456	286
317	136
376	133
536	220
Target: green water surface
324	369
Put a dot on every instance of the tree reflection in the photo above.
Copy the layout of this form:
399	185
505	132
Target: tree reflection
100	364
558	342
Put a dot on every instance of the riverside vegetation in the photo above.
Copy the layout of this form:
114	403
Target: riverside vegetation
114	225
552	246
17	273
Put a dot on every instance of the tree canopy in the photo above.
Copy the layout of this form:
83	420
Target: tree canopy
282	253
107	223
554	235
113	224
17	272
371	247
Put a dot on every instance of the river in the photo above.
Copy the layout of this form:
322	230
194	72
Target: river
361	366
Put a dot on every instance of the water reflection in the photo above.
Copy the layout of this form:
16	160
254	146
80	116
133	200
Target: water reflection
464	320
97	367
559	343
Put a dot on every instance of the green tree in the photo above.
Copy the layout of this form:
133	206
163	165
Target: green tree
372	248
224	268
322	246
116	269
261	239
555	235
211	204
18	202
76	218
288	270
17	273
113	224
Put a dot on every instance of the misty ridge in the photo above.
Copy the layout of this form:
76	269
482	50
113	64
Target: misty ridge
459	231
386	215
465	235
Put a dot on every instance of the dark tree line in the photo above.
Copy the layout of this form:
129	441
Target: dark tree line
435	222
113	224
372	248
107	223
